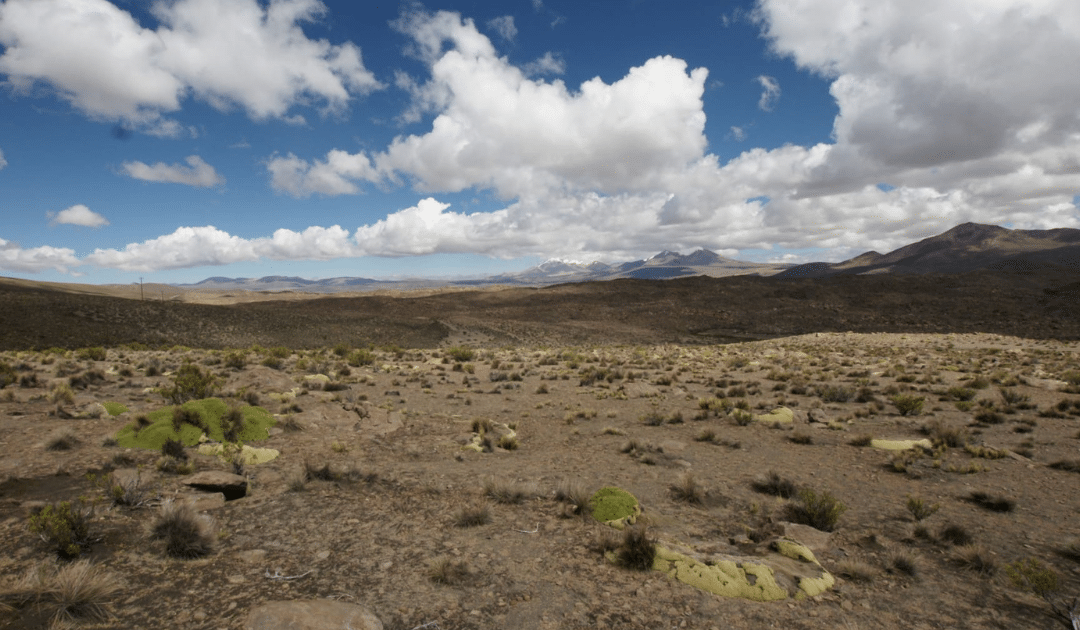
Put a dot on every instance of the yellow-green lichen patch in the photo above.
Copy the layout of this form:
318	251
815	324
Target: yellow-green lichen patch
810	586
246	455
782	415
794	550
901	445
114	408
726	578
614	506
210	413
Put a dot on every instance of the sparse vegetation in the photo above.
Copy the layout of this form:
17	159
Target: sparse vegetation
818	510
907	405
920	509
64	526
991	502
773	484
637	550
687	490
473	515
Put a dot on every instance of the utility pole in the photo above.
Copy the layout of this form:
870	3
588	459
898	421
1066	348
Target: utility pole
141	297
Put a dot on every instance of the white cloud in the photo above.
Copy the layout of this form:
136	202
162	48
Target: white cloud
548	63
333	176
196	173
770	93
739	133
238	53
36	260
504	26
3	162
77	215
538	5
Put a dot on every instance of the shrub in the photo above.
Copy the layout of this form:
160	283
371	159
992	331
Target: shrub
447	571
637	550
575	494
1031	575
741	417
975	558
863	439
74	592
357	358
920	509
907	404
836	394
1071	465
62	394
62	440
508	443
1013	398
855	571
946	435
903	561
955	535
473	515
461	354
186	533
91	354
190	383
992	503
63	526
801	438
687	490
775	485
820	511
236	360
174	448
506	491
960	393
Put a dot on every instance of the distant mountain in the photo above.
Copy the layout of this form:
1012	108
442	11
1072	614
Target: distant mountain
966	247
664	265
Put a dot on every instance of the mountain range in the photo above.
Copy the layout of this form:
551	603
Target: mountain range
966	247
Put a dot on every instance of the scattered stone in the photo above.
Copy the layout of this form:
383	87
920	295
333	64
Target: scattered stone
228	484
311	615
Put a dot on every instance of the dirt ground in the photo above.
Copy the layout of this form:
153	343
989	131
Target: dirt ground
393	432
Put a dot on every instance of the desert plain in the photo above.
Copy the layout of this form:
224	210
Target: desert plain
878	452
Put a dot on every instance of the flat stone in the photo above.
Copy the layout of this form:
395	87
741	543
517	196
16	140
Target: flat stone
311	615
815	539
228	484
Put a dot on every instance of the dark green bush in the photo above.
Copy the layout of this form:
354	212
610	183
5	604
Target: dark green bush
190	383
64	526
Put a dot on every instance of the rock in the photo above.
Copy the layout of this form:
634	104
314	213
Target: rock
204	502
815	539
252	556
315	614
672	446
228	484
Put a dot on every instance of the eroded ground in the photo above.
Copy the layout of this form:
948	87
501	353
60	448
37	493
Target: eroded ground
640	418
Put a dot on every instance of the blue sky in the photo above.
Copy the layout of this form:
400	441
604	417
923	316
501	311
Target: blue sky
177	140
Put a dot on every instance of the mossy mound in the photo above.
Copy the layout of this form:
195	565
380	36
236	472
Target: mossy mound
114	408
615	506
726	577
902	445
782	415
793	572
211	411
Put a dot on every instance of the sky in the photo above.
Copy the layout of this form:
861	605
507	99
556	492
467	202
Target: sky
177	140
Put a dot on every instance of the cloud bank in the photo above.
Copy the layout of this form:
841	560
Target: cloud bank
97	57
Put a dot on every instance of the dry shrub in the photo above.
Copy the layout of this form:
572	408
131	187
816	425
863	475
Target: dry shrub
855	571
448	571
903	561
687	490
575	494
186	533
473	515
775	485
991	502
637	550
62	440
818	510
507	491
976	558
75	591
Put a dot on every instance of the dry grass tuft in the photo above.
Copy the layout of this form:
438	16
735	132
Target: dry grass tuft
74	592
186	533
507	491
637	550
855	571
575	494
62	440
976	558
772	483
473	515
991	502
687	490
903	561
448	571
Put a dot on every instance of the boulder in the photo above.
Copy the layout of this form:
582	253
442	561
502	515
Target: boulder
316	614
228	484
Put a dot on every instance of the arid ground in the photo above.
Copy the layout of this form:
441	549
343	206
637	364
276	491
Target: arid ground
374	495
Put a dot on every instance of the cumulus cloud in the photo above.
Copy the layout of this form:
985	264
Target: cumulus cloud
497	128
196	173
504	27
770	93
77	215
15	258
99	58
336	175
